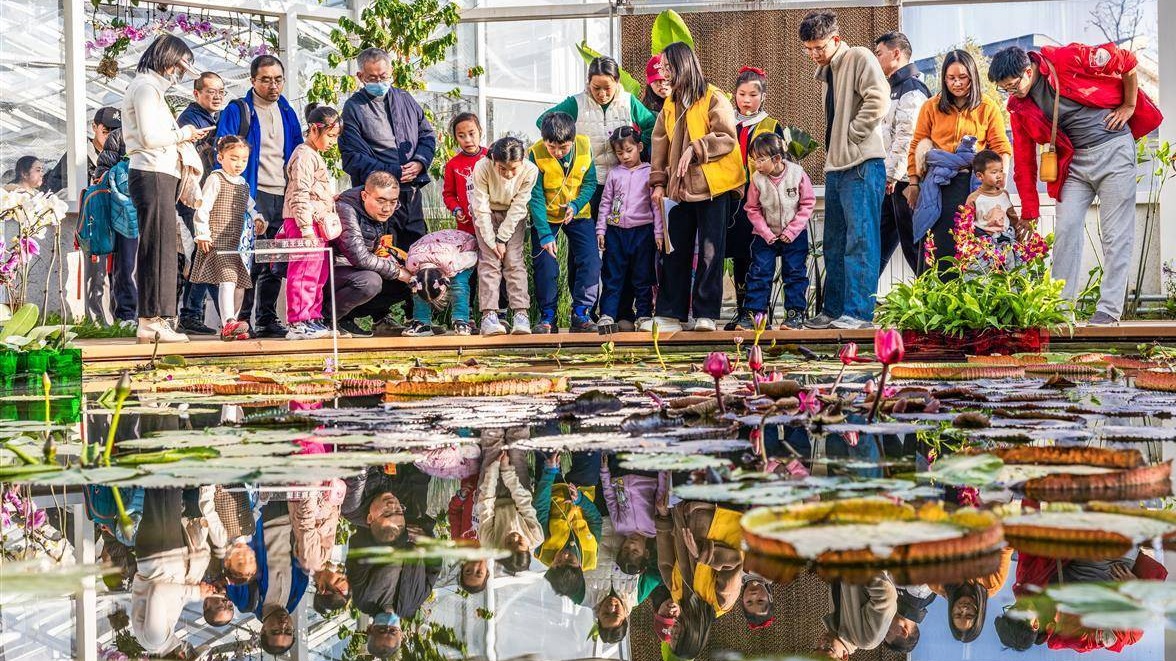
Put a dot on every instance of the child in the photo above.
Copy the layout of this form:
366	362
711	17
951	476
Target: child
441	263
780	200
509	522
566	183
573	524
755	600
499	195
227	220
751	89
995	213
631	499
629	231
467	132
309	214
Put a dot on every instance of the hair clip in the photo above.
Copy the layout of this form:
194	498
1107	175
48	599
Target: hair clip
754	70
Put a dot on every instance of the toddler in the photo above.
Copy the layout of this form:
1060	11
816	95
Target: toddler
995	213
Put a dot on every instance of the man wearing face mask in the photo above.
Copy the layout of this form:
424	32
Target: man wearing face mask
270	125
384	129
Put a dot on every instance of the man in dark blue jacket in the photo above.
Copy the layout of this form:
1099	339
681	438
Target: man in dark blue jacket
209	92
271	127
384	129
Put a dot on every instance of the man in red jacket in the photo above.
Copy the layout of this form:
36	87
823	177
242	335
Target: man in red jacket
1101	113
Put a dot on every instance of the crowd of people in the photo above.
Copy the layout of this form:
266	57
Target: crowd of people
652	195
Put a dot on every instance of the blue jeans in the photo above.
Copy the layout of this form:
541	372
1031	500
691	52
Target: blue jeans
853	205
459	300
763	271
583	268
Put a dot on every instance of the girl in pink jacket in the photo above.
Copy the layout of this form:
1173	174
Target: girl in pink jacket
310	215
441	263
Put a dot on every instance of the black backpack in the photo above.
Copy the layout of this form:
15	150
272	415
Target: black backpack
246	118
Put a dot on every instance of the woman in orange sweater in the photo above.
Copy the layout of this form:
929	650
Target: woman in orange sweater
959	110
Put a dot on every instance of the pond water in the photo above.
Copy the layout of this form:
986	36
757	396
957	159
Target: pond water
592	505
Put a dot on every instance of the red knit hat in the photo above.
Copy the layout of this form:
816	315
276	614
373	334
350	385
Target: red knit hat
652	71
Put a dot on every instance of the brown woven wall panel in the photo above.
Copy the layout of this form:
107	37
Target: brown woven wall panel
726	41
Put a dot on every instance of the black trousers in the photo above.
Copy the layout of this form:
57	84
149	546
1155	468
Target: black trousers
161	528
359	293
739	250
897	230
124	290
706	223
154	196
266	282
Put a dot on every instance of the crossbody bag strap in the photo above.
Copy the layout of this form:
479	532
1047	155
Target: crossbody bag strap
1053	130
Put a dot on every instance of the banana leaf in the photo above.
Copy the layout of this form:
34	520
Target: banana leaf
800	143
668	28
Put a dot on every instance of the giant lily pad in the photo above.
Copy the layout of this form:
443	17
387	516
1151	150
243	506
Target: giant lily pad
670	462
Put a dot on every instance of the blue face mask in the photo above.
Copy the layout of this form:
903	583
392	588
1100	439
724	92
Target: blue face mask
386	620
377	89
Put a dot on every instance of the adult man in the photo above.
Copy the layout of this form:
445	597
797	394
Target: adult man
384	129
907	95
270	125
209	92
1100	113
856	101
106	120
367	280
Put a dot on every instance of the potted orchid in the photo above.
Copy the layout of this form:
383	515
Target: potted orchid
990	300
31	216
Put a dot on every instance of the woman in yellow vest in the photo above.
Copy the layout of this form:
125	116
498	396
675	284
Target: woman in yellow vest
699	556
572	525
751	121
698	167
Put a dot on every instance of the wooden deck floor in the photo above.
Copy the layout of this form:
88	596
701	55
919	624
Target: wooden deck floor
128	349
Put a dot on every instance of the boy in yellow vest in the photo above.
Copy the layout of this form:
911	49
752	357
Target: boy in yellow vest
572	526
561	197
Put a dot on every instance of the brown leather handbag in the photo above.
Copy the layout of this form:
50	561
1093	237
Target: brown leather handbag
1047	172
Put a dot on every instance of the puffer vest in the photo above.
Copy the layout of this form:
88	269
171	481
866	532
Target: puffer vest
598	123
779	199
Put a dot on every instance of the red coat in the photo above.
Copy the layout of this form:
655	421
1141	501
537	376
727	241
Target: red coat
1090	75
455	192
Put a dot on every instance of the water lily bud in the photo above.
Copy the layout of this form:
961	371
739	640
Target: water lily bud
888	346
848	353
755	358
122	389
717	364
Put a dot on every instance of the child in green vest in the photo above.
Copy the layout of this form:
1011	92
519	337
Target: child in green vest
560	199
572	526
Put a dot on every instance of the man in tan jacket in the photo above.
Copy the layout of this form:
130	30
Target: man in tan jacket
857	97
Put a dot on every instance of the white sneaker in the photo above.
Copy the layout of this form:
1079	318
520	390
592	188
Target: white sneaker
521	324
846	322
152	329
605	320
301	330
491	326
665	325
645	325
704	326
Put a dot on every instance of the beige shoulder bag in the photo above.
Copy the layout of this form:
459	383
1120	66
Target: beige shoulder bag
1047	172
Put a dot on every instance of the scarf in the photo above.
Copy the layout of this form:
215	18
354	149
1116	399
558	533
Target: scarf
750	120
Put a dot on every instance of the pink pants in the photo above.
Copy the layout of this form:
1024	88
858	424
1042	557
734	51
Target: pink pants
306	277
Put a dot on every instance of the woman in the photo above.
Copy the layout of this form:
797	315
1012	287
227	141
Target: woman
959	110
28	175
152	140
697	165
603	107
657	88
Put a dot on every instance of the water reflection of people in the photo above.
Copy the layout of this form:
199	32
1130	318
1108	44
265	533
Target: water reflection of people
314	516
1061	631
699	556
572	522
755	600
967	602
505	510
630	497
861	616
173	554
903	634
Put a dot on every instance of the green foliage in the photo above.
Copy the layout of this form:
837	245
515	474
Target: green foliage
669	28
417	35
1022	298
22	321
800	143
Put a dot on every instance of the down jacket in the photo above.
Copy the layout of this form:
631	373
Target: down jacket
360	236
452	251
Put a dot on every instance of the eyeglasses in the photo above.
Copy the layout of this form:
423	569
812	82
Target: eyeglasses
1010	87
271	82
813	50
761	159
376	79
216	94
385	203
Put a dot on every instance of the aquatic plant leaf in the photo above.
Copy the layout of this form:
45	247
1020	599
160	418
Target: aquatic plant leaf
964	469
77	476
1131	433
425	550
1158	595
670	462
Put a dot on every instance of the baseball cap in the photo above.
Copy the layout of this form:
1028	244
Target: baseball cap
109	116
652	73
